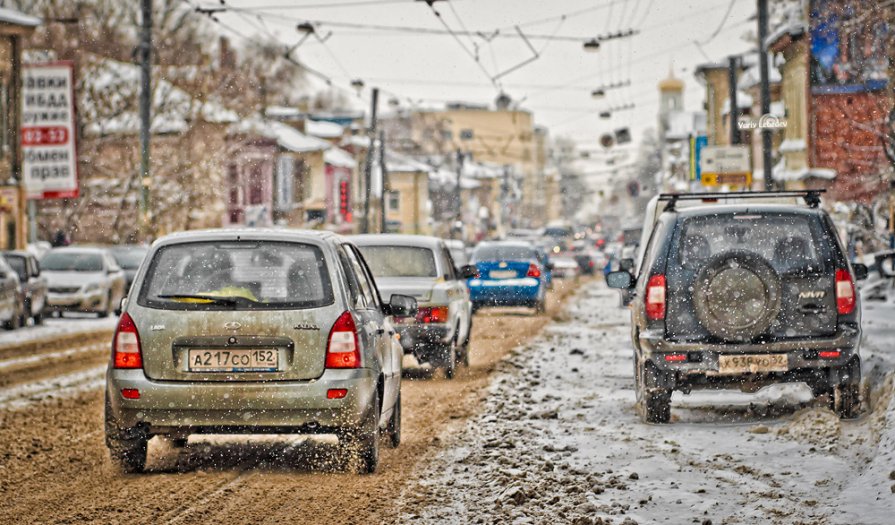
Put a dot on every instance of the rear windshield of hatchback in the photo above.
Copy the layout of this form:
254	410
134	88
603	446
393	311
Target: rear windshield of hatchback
497	252
244	275
788	242
72	262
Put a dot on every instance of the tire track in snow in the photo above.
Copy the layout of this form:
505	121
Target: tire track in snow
21	396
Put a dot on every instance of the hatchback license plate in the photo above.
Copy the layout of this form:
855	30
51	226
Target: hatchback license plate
233	360
502	274
745	364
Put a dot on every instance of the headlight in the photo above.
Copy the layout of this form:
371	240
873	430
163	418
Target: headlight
92	287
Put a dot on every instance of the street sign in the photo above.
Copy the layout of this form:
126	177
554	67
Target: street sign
725	165
49	152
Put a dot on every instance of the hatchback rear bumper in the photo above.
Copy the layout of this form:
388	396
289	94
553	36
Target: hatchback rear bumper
508	292
175	407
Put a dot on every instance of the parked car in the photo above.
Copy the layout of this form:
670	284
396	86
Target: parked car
509	274
82	279
128	257
544	261
255	331
33	284
422	268
11	302
742	296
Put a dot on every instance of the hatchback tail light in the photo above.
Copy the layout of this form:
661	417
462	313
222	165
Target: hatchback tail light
126	344
655	298
435	314
342	349
533	271
845	292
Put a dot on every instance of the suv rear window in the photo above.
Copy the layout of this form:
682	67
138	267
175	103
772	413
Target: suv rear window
790	243
245	275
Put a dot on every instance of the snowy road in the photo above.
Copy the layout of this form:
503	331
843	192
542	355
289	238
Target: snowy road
559	440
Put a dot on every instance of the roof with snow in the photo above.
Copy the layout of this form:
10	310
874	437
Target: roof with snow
11	16
285	135
398	163
324	129
783	174
339	158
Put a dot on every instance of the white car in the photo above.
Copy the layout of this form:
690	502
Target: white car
565	267
83	280
421	267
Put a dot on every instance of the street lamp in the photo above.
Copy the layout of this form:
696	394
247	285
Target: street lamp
592	45
598	93
605	114
358	85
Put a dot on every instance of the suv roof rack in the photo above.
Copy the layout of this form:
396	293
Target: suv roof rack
811	197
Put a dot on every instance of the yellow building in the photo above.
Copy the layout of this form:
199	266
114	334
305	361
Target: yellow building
407	196
715	79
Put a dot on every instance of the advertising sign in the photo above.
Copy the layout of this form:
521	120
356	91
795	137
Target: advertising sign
49	152
697	144
849	46
725	165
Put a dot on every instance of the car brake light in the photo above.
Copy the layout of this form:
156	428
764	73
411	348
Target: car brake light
126	344
655	298
533	271
829	354
845	292
435	314
342	349
130	393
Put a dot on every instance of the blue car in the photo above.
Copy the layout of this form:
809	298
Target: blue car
510	274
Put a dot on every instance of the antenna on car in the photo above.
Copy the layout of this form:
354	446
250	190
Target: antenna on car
811	197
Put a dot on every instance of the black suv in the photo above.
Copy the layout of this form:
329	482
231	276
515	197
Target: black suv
741	296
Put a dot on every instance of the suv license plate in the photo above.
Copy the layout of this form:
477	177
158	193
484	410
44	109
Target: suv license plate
233	360
746	364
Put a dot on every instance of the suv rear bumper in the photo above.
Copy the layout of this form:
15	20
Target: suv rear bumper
181	407
703	358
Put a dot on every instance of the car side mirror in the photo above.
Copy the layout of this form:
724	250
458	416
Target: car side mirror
626	265
549	266
123	303
620	280
860	270
468	271
402	306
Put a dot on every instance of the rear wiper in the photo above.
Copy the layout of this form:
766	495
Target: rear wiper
216	299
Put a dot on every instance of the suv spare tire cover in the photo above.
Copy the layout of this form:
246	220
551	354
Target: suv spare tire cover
737	295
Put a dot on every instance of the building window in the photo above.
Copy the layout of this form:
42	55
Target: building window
394	201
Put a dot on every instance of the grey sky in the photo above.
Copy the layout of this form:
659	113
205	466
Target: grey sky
556	87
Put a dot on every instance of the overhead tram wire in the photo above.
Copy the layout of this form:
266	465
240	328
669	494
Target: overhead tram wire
721	25
460	43
349	3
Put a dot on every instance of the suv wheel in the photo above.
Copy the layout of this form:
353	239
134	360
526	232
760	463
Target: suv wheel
654	404
361	445
128	455
846	397
393	430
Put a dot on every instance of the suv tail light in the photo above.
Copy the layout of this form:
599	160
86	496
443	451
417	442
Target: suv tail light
126	344
845	292
435	314
533	271
342	350
655	298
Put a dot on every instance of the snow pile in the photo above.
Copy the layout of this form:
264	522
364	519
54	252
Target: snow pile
558	441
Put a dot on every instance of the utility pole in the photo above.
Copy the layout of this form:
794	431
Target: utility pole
383	170
368	166
458	217
765	92
734	114
145	111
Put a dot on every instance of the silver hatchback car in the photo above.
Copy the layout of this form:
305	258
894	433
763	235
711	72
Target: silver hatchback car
255	331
